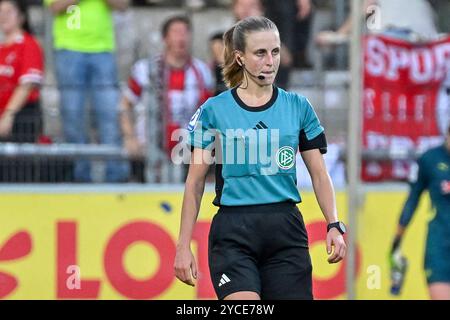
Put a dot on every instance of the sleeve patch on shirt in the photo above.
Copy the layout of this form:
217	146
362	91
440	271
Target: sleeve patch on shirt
194	120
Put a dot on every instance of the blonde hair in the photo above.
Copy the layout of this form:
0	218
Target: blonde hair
235	39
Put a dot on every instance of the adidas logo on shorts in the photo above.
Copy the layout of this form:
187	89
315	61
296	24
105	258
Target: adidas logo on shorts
224	279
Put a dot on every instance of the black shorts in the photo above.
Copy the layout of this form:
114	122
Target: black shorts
263	249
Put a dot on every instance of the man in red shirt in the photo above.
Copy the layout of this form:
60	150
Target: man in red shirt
180	82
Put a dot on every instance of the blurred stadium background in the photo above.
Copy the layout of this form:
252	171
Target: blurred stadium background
63	239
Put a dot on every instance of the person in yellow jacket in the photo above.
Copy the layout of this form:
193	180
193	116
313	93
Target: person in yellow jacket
85	66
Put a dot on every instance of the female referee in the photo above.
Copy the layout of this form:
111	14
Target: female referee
258	245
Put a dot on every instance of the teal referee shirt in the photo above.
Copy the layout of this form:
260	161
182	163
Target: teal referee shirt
255	147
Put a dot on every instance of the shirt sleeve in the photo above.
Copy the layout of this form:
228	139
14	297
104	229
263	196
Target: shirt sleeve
418	184
201	131
138	81
31	69
311	131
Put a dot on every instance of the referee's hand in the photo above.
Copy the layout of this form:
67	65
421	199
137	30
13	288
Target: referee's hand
185	266
336	247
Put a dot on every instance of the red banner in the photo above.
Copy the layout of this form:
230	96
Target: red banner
405	98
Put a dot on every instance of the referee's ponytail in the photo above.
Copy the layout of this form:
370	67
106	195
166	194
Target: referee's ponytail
232	71
235	40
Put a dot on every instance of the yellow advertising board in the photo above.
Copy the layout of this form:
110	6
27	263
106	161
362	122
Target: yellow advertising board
122	245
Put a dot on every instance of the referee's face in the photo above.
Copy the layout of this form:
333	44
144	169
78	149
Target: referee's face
262	55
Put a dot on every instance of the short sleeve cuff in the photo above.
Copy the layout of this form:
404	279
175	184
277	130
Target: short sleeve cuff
31	78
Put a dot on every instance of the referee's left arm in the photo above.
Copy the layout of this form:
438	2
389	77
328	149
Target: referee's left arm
324	191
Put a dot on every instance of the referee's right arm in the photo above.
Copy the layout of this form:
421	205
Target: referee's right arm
185	264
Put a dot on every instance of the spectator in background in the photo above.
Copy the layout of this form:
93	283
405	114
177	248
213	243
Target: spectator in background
442	9
302	31
216	47
293	18
21	72
85	66
417	24
246	8
182	84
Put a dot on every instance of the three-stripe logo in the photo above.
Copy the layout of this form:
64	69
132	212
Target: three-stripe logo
260	125
223	280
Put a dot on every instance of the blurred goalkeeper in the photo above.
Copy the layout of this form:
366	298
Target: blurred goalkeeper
434	175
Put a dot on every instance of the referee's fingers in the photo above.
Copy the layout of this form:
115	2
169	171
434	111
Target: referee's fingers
184	275
194	269
343	251
187	277
340	253
333	256
179	273
328	245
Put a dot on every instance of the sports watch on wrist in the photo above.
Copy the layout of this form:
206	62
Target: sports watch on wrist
338	225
